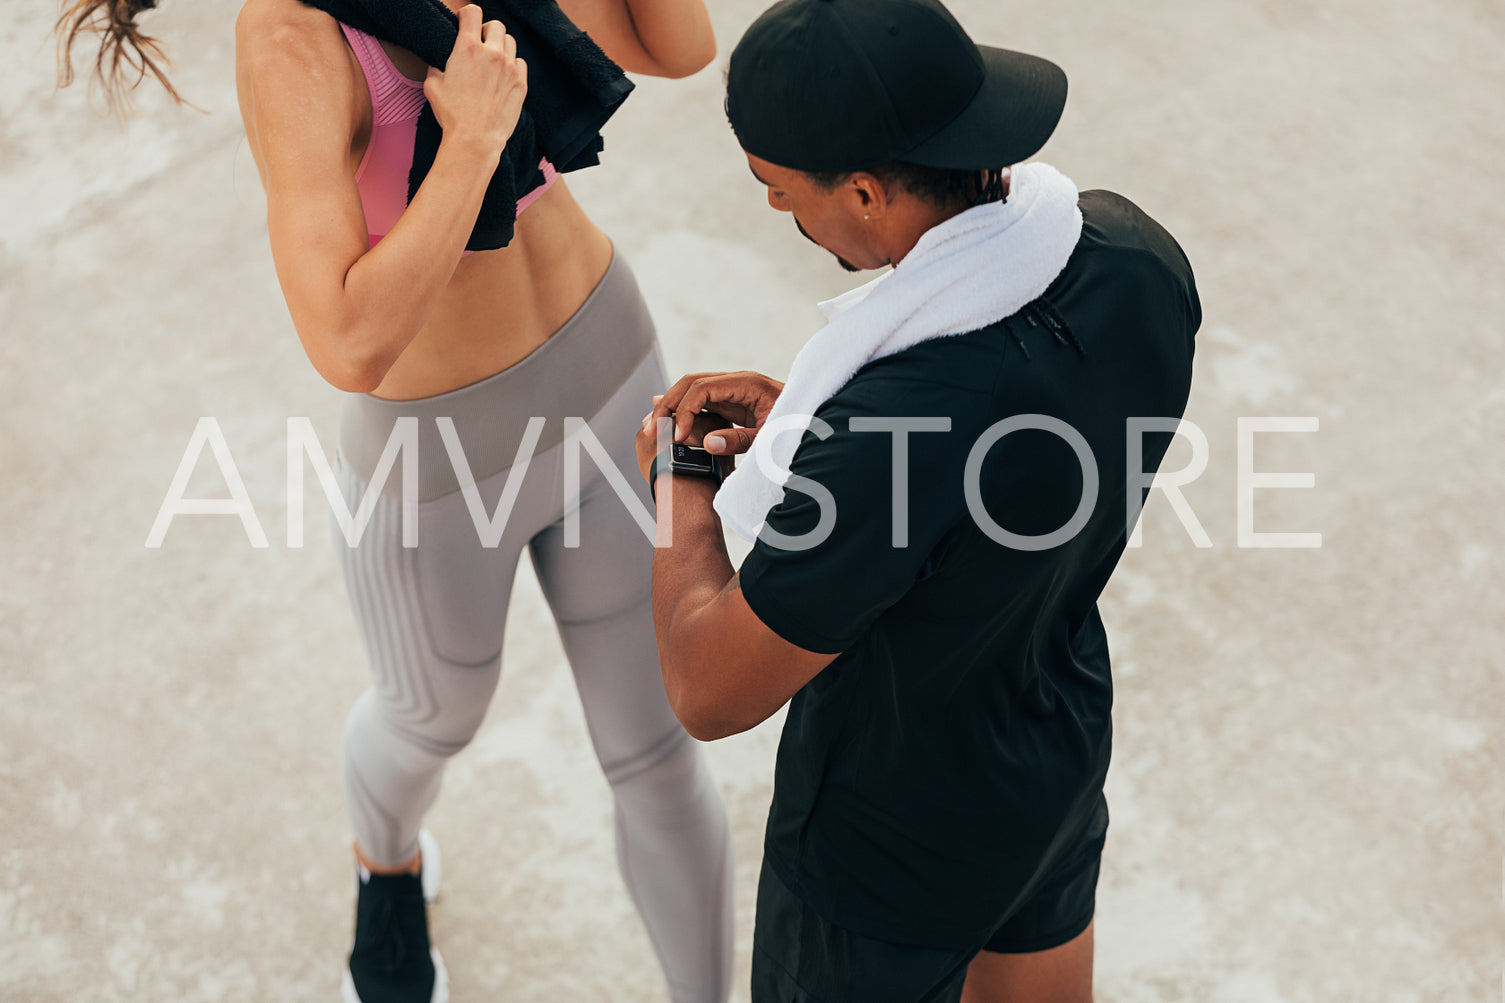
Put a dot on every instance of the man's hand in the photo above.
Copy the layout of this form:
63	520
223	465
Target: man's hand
742	398
703	423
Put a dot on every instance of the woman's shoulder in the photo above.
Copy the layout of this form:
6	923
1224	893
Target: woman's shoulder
274	33
295	75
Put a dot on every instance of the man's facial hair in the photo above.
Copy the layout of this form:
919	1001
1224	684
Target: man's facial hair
843	262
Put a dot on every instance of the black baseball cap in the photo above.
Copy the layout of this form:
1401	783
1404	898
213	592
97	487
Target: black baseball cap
840	85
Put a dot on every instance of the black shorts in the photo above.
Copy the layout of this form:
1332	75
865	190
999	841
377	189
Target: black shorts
799	957
1062	906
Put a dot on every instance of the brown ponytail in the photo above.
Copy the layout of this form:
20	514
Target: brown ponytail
115	22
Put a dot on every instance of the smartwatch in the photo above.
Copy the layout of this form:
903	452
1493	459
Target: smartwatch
683	459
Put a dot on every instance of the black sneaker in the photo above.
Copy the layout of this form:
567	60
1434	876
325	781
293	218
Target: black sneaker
392	960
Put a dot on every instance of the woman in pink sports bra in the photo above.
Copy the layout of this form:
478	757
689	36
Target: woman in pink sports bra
514	381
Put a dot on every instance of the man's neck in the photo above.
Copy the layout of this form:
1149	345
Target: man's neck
916	227
919	217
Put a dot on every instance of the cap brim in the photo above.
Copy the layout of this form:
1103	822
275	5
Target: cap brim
1010	119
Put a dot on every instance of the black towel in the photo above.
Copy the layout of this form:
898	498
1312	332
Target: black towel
573	88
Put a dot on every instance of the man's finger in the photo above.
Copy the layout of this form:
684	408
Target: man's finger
730	440
669	402
691	399
698	394
704	393
665	403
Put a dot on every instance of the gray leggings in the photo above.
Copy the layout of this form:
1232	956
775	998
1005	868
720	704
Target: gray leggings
431	617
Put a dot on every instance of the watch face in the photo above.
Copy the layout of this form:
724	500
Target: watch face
690	456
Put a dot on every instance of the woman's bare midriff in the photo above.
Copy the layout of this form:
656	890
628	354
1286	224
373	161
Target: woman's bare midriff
501	305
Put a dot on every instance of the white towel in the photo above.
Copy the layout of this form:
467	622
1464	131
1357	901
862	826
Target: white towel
973	270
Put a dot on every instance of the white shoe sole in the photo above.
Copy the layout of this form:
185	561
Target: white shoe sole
433	870
433	864
441	982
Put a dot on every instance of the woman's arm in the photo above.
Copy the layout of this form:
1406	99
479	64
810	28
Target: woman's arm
660	38
356	308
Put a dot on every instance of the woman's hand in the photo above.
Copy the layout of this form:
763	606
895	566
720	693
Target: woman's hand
479	93
743	398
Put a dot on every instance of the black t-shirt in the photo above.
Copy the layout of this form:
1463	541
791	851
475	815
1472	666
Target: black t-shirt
950	753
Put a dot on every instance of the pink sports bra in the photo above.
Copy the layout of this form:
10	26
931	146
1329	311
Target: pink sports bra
396	103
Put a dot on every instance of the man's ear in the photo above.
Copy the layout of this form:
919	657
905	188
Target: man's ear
873	198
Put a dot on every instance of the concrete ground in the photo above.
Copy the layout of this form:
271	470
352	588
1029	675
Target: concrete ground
1306	793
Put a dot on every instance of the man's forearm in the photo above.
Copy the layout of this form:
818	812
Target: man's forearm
687	578
724	670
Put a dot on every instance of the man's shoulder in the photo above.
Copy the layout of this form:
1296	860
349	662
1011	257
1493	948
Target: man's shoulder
945	385
1112	223
1127	272
951	375
960	375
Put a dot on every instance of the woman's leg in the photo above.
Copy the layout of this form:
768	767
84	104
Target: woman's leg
431	619
673	840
